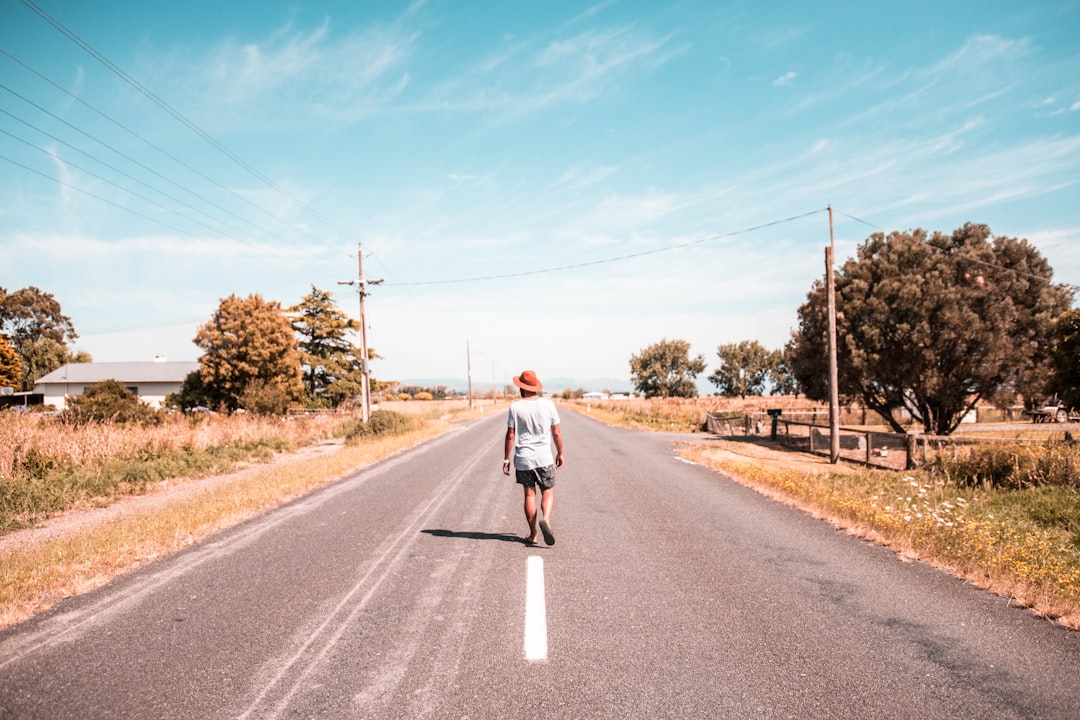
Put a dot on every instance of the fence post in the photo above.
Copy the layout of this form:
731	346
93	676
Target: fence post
909	448
774	413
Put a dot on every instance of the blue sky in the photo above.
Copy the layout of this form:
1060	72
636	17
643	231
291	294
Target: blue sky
556	184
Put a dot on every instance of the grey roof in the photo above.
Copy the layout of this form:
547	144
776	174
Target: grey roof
130	372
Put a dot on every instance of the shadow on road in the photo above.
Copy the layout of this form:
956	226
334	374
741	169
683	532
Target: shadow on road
505	537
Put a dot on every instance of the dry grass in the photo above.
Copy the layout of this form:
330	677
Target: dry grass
96	442
34	578
683	414
457	409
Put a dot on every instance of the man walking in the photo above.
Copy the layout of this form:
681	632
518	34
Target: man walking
532	425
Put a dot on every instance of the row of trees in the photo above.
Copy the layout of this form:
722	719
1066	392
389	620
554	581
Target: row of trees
257	355
927	324
746	368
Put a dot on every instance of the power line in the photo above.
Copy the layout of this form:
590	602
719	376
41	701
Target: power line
126	175
618	258
149	143
97	197
177	115
132	160
859	220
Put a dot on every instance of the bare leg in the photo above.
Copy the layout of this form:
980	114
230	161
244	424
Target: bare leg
547	504
530	513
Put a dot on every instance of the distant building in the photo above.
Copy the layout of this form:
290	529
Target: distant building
151	381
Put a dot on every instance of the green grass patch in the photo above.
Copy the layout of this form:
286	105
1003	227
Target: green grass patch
41	485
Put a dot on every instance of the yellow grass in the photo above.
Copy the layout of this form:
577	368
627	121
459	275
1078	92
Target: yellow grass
683	414
100	441
33	579
457	409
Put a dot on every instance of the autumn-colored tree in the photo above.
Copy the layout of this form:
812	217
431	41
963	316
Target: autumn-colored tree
11	369
247	340
32	322
665	369
330	363
932	324
746	368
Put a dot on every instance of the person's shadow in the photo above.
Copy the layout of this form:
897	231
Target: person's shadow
504	537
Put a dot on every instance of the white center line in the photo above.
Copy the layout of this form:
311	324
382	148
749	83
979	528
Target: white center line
536	646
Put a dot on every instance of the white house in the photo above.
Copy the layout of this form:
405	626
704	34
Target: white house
151	381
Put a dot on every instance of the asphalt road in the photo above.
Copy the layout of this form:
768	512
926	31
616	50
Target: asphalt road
671	592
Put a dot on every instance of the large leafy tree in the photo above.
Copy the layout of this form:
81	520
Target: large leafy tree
746	368
784	381
1065	358
247	342
665	369
331	364
32	322
932	324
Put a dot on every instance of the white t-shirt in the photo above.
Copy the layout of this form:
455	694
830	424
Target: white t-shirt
532	421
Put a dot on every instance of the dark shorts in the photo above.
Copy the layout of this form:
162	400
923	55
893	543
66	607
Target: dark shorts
544	477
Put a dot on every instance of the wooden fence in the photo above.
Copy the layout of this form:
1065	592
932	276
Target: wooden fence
894	451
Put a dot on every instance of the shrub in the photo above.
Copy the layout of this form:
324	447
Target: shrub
108	401
264	398
382	422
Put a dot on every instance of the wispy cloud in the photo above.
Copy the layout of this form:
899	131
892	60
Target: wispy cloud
577	177
578	66
774	39
533	74
304	75
980	53
785	80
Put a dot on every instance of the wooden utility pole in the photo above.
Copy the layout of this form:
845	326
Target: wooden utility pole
361	284
834	392
468	371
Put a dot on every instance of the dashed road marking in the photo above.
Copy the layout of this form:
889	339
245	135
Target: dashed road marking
536	644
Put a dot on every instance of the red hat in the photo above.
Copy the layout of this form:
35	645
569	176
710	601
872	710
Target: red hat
528	381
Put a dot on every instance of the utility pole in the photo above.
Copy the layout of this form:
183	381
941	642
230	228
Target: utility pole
468	371
834	392
361	285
